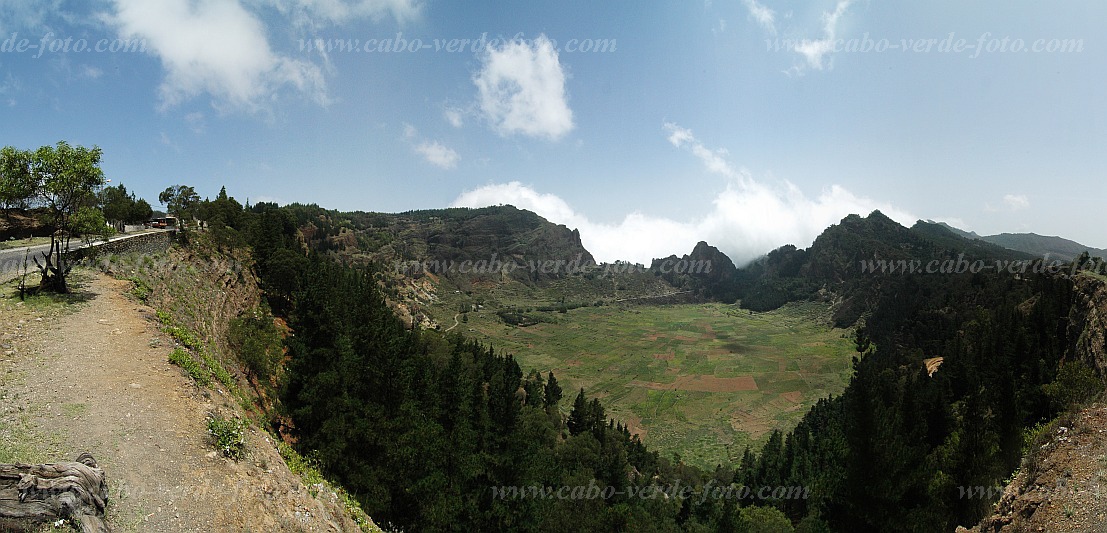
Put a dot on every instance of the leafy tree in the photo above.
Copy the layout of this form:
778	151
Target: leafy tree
596	418
89	222
258	343
116	203
1076	383
535	389
66	178
757	519
141	211
224	218
17	184
181	201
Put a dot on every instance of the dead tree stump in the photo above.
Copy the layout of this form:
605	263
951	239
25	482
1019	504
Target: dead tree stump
35	494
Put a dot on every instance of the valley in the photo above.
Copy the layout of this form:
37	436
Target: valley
692	376
701	381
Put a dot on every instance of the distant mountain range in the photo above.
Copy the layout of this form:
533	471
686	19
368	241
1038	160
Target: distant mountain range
1034	244
833	268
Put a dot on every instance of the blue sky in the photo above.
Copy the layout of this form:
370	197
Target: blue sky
748	123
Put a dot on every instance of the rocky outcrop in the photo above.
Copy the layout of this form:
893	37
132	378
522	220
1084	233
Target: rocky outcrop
706	271
1088	321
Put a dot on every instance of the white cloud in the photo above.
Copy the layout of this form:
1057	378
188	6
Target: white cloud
196	122
1016	202
454	116
433	152
714	160
319	12
813	50
679	136
90	72
438	155
763	15
9	86
745	220
522	90
18	15
169	142
214	47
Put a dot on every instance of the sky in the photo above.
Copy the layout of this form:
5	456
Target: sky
648	126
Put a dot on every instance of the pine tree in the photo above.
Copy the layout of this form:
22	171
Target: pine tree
596	418
534	388
579	417
553	392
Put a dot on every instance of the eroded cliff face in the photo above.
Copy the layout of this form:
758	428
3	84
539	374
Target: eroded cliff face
1088	321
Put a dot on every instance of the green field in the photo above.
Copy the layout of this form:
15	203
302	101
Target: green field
698	380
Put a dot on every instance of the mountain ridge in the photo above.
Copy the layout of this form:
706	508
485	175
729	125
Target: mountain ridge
1042	246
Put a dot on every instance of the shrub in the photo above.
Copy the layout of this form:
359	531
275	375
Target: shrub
228	435
1074	385
217	369
185	336
307	469
141	289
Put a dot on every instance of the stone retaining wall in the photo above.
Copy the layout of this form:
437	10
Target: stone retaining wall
150	243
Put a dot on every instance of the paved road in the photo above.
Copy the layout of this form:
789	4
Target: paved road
11	261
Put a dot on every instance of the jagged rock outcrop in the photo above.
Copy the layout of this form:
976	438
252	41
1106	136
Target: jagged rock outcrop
706	271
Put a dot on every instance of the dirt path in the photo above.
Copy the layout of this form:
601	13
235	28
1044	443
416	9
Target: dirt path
455	323
101	375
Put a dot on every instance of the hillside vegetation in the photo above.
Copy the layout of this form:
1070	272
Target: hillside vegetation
699	381
891	452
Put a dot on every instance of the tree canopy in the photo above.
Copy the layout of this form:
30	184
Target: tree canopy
122	207
180	200
17	184
65	181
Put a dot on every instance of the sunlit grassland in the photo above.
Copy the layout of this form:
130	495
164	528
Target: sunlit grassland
680	374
